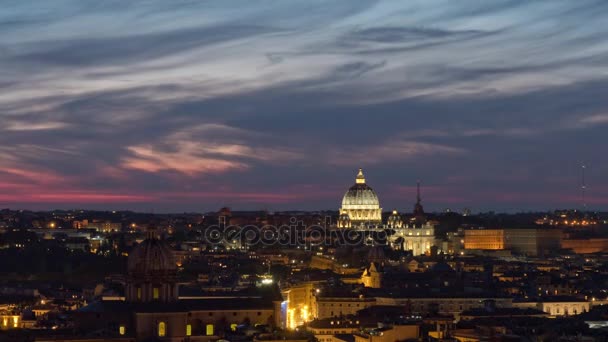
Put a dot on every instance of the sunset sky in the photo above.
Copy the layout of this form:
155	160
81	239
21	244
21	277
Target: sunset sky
179	106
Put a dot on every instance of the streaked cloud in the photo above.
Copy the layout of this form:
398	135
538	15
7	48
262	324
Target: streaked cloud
594	120
207	148
390	151
22	126
246	99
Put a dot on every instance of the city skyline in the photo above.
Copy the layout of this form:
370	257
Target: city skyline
187	106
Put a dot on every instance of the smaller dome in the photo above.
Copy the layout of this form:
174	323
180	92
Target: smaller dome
151	256
344	221
394	220
344	217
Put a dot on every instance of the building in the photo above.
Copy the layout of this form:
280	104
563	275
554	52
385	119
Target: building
372	276
533	241
557	306
394	220
106	227
326	330
417	235
360	205
10	322
490	311
525	241
586	245
389	333
377	324
153	309
445	304
299	299
361	209
416	238
485	239
328	305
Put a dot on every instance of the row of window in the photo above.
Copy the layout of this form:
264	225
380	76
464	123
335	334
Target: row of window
161	329
155	293
259	313
332	304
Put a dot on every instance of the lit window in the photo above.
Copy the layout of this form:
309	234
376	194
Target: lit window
139	293
209	329
156	293
188	330
121	330
162	329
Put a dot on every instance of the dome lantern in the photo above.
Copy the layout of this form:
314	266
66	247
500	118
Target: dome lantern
360	177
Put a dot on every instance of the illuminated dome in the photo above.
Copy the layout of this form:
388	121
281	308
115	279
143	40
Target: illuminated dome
361	203
394	220
344	221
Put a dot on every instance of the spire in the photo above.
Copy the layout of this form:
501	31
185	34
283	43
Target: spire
360	177
418	209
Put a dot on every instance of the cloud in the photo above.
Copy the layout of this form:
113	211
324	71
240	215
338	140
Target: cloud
207	148
355	69
247	100
401	34
130	48
22	126
593	120
187	160
390	151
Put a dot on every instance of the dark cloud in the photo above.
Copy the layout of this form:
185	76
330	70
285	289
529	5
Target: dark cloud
491	105
404	34
356	69
131	48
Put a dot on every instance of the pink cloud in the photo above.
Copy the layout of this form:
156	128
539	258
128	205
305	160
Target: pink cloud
148	159
33	176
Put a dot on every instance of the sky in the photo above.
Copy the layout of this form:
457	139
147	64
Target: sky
173	106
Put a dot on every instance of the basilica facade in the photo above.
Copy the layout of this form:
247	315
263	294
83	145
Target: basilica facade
361	210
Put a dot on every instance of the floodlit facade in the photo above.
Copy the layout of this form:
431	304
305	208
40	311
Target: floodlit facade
485	239
530	241
416	238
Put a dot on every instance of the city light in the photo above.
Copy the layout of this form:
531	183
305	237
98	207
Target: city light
303	171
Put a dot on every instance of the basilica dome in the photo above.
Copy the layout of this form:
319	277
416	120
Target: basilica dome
360	195
151	272
151	256
394	220
361	203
